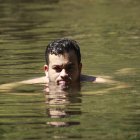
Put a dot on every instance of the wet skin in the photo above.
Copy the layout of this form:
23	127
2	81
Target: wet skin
63	70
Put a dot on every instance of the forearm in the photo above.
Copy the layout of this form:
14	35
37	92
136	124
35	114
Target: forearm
9	86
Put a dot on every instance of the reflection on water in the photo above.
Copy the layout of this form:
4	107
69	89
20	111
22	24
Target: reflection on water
59	106
108	33
29	115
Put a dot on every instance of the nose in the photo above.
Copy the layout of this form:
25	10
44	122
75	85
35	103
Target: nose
63	73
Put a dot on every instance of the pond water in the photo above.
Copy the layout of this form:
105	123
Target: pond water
108	32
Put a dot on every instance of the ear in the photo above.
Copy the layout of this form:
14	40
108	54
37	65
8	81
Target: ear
46	69
80	67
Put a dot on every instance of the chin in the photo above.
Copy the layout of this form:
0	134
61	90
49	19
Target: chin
64	87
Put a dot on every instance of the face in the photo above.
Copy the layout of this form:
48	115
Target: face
63	70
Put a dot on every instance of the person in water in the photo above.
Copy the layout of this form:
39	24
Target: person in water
62	69
63	65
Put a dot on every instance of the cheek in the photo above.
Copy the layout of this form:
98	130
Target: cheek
75	75
52	75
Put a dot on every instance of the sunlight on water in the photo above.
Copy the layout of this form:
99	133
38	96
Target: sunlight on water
109	35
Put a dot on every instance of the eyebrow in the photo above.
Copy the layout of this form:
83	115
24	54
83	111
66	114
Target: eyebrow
68	64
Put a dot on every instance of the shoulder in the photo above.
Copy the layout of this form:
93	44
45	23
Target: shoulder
94	79
39	80
87	78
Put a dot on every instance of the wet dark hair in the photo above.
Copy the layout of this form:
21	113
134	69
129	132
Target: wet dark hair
61	46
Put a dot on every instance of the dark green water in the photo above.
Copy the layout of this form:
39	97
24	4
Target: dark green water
108	32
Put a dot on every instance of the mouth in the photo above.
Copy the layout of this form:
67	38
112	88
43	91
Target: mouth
63	84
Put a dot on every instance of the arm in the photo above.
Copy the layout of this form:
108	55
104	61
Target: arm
9	86
93	79
115	85
40	80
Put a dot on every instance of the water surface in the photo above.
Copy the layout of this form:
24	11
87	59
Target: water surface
108	33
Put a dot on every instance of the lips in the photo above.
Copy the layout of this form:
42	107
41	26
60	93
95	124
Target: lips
62	82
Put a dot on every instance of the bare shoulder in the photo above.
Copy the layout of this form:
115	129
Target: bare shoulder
96	79
39	80
9	86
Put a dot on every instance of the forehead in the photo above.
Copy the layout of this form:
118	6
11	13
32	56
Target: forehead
63	58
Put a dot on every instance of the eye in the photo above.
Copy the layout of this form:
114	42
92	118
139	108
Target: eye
57	69
70	68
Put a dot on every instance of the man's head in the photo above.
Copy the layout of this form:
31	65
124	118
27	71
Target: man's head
63	62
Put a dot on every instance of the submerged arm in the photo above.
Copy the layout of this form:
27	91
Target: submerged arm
97	79
104	80
9	86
